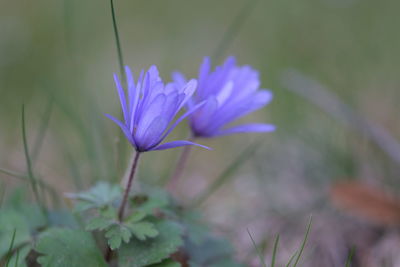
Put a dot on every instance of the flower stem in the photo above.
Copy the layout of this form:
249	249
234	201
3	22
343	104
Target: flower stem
128	187
180	166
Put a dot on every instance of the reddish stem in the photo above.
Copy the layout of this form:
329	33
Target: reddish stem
121	210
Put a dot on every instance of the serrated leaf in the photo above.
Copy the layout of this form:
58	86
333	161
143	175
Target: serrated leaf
143	230
65	247
143	253
10	222
136	216
116	234
98	223
100	195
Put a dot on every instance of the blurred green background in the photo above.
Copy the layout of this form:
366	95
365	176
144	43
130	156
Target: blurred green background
58	57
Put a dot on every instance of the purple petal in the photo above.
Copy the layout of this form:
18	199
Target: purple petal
247	128
263	97
131	83
205	115
124	129
203	74
230	112
122	97
178	143
179	79
152	111
153	133
225	93
182	118
188	90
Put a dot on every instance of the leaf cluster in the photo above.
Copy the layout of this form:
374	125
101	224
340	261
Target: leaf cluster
116	231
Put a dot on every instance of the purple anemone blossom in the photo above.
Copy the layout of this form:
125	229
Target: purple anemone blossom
150	108
230	92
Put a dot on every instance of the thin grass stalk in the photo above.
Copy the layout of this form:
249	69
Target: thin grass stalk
262	262
9	254
275	250
350	257
121	148
42	130
291	259
303	243
31	176
118	42
42	184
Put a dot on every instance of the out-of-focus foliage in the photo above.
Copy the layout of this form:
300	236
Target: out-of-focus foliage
61	54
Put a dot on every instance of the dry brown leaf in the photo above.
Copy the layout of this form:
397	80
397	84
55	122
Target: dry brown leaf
366	201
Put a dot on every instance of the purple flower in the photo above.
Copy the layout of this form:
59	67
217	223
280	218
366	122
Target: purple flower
149	109
230	92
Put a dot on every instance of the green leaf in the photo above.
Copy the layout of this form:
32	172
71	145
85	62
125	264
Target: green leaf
10	222
101	195
166	263
98	223
136	216
65	247
118	233
143	230
143	253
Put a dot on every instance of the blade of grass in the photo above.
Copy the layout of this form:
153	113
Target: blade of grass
350	257
275	250
31	176
263	246
20	176
17	259
118	42
255	247
234	29
13	174
122	151
303	243
42	130
291	259
11	247
227	173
